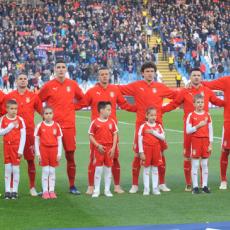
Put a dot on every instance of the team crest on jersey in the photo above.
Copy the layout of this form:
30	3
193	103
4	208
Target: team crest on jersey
154	90
111	94
68	88
110	126
27	100
54	131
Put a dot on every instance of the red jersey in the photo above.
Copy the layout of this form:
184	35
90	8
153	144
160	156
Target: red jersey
48	133
194	119
28	103
62	96
150	139
223	84
110	93
103	131
14	136
186	97
147	95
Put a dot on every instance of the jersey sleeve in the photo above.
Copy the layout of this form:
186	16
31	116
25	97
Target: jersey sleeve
140	139
92	128
189	128
215	100
84	102
210	128
78	92
115	128
175	103
44	93
166	92
37	131
128	90
59	132
123	103
22	137
38	105
218	84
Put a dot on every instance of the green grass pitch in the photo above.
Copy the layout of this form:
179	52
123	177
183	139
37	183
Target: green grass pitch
127	209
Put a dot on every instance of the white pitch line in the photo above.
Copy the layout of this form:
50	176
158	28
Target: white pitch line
132	124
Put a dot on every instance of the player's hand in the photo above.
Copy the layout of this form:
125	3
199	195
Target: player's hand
20	155
112	152
15	124
202	123
150	131
210	148
142	156
101	148
58	158
39	158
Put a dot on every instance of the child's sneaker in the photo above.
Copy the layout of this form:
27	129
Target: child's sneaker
156	191
46	195
108	194
33	192
96	194
223	185
53	195
164	188
146	192
14	195
134	189
7	196
205	189
195	190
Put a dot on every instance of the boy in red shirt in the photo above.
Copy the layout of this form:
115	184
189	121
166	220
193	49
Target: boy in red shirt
48	147
12	127
199	125
103	135
149	136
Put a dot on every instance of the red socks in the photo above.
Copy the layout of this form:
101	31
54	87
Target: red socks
31	172
91	171
161	171
136	166
187	172
116	171
223	165
71	167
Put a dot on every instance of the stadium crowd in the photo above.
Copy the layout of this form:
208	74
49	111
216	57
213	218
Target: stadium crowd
194	30
87	35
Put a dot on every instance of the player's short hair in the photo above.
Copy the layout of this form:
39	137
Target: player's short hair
45	108
11	102
22	73
149	109
102	105
194	69
147	65
198	97
102	68
60	60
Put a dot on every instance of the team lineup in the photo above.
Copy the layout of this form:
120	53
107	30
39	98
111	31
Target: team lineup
61	97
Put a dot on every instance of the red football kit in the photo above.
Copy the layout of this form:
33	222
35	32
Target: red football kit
200	138
14	140
146	95
1	101
48	142
92	97
223	84
186	97
103	132
62	97
150	144
28	103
